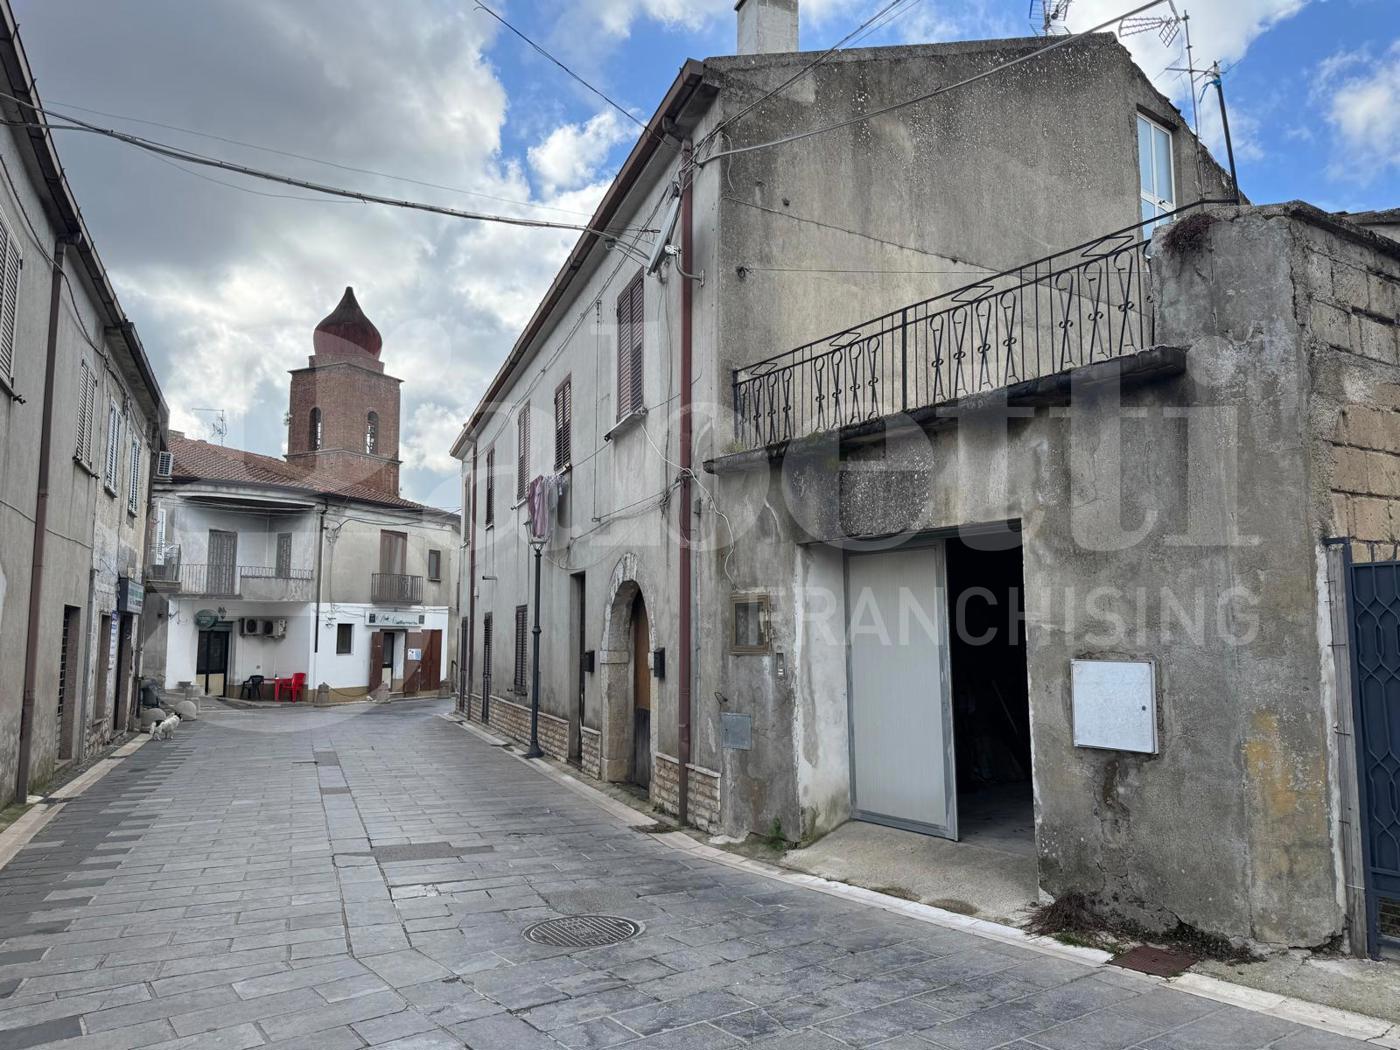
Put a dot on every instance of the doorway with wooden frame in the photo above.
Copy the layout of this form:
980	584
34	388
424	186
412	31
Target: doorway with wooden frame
211	662
641	695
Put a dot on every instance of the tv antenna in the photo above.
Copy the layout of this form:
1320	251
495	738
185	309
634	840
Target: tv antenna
218	426
1053	16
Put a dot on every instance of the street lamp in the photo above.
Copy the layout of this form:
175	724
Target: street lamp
534	750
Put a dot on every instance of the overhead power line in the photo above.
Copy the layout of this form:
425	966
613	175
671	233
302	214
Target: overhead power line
318	160
176	153
892	107
574	76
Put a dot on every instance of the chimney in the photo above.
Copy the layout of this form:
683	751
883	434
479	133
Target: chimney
767	26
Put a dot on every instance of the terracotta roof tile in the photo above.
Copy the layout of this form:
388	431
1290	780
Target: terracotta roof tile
201	461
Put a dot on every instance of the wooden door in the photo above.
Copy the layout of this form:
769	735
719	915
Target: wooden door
430	668
223	562
641	695
376	660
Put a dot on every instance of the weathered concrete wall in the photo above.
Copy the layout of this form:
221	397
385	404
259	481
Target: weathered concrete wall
1167	521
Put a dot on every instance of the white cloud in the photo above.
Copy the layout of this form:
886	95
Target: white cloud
1363	108
570	156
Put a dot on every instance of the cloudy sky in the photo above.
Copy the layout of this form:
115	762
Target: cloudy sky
432	99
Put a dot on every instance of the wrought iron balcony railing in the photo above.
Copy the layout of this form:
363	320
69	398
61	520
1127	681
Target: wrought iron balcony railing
1090	303
395	589
220	580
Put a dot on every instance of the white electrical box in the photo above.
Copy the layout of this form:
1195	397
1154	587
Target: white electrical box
1115	704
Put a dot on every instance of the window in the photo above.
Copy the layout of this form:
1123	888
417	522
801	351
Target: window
434	564
112	466
393	552
372	433
489	511
564	423
344	638
750	624
522	452
1157	185
10	263
314	437
133	490
629	348
520	629
87	398
284	555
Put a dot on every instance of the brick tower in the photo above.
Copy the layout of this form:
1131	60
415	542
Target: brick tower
344	418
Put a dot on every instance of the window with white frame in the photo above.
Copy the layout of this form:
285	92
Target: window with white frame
133	486
87	406
111	466
1156	179
10	262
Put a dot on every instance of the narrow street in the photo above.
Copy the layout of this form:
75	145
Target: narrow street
362	877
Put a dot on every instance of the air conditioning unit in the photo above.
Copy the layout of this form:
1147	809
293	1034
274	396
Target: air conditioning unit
279	628
165	465
249	626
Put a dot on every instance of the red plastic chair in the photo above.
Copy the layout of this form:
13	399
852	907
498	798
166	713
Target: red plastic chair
298	686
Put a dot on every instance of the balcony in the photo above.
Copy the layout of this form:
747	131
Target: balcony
387	588
258	583
1089	304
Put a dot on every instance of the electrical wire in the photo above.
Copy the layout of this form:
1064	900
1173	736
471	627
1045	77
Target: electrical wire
178	154
926	96
800	73
320	160
597	91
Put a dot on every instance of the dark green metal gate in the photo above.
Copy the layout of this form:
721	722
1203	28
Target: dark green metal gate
1375	625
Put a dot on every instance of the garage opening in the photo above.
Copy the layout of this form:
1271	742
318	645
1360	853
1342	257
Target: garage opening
990	699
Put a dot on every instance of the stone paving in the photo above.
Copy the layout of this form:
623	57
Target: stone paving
320	880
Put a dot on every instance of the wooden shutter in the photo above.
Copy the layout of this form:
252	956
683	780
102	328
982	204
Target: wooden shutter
10	261
629	348
490	501
86	393
520	628
486	646
522	452
563	423
114	449
133	492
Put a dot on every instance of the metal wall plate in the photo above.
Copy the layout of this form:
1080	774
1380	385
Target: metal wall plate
736	731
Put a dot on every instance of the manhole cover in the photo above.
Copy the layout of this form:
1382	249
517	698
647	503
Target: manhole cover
582	931
1160	962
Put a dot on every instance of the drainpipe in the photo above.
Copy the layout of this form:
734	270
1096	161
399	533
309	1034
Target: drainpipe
316	620
687	266
468	658
41	531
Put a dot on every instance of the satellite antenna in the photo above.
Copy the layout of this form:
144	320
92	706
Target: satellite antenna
218	426
662	248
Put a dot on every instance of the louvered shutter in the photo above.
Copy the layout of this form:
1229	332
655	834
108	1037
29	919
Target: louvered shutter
133	491
9	301
624	343
486	646
88	388
638	329
490	510
165	465
110	469
520	627
563	424
522	451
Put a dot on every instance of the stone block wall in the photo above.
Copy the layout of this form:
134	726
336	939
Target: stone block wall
512	720
592	748
702	791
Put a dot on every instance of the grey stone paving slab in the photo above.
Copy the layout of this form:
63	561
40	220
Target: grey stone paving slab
342	882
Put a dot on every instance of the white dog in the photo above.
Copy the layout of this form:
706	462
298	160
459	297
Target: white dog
164	730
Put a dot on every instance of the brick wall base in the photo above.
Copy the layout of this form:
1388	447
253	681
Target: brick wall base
592	758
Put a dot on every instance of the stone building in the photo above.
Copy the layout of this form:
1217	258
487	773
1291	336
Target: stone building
986	470
81	420
311	565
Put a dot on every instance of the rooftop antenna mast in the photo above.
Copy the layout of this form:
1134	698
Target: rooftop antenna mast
1050	16
218	426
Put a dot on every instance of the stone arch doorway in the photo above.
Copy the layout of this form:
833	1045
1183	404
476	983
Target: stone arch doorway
629	722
